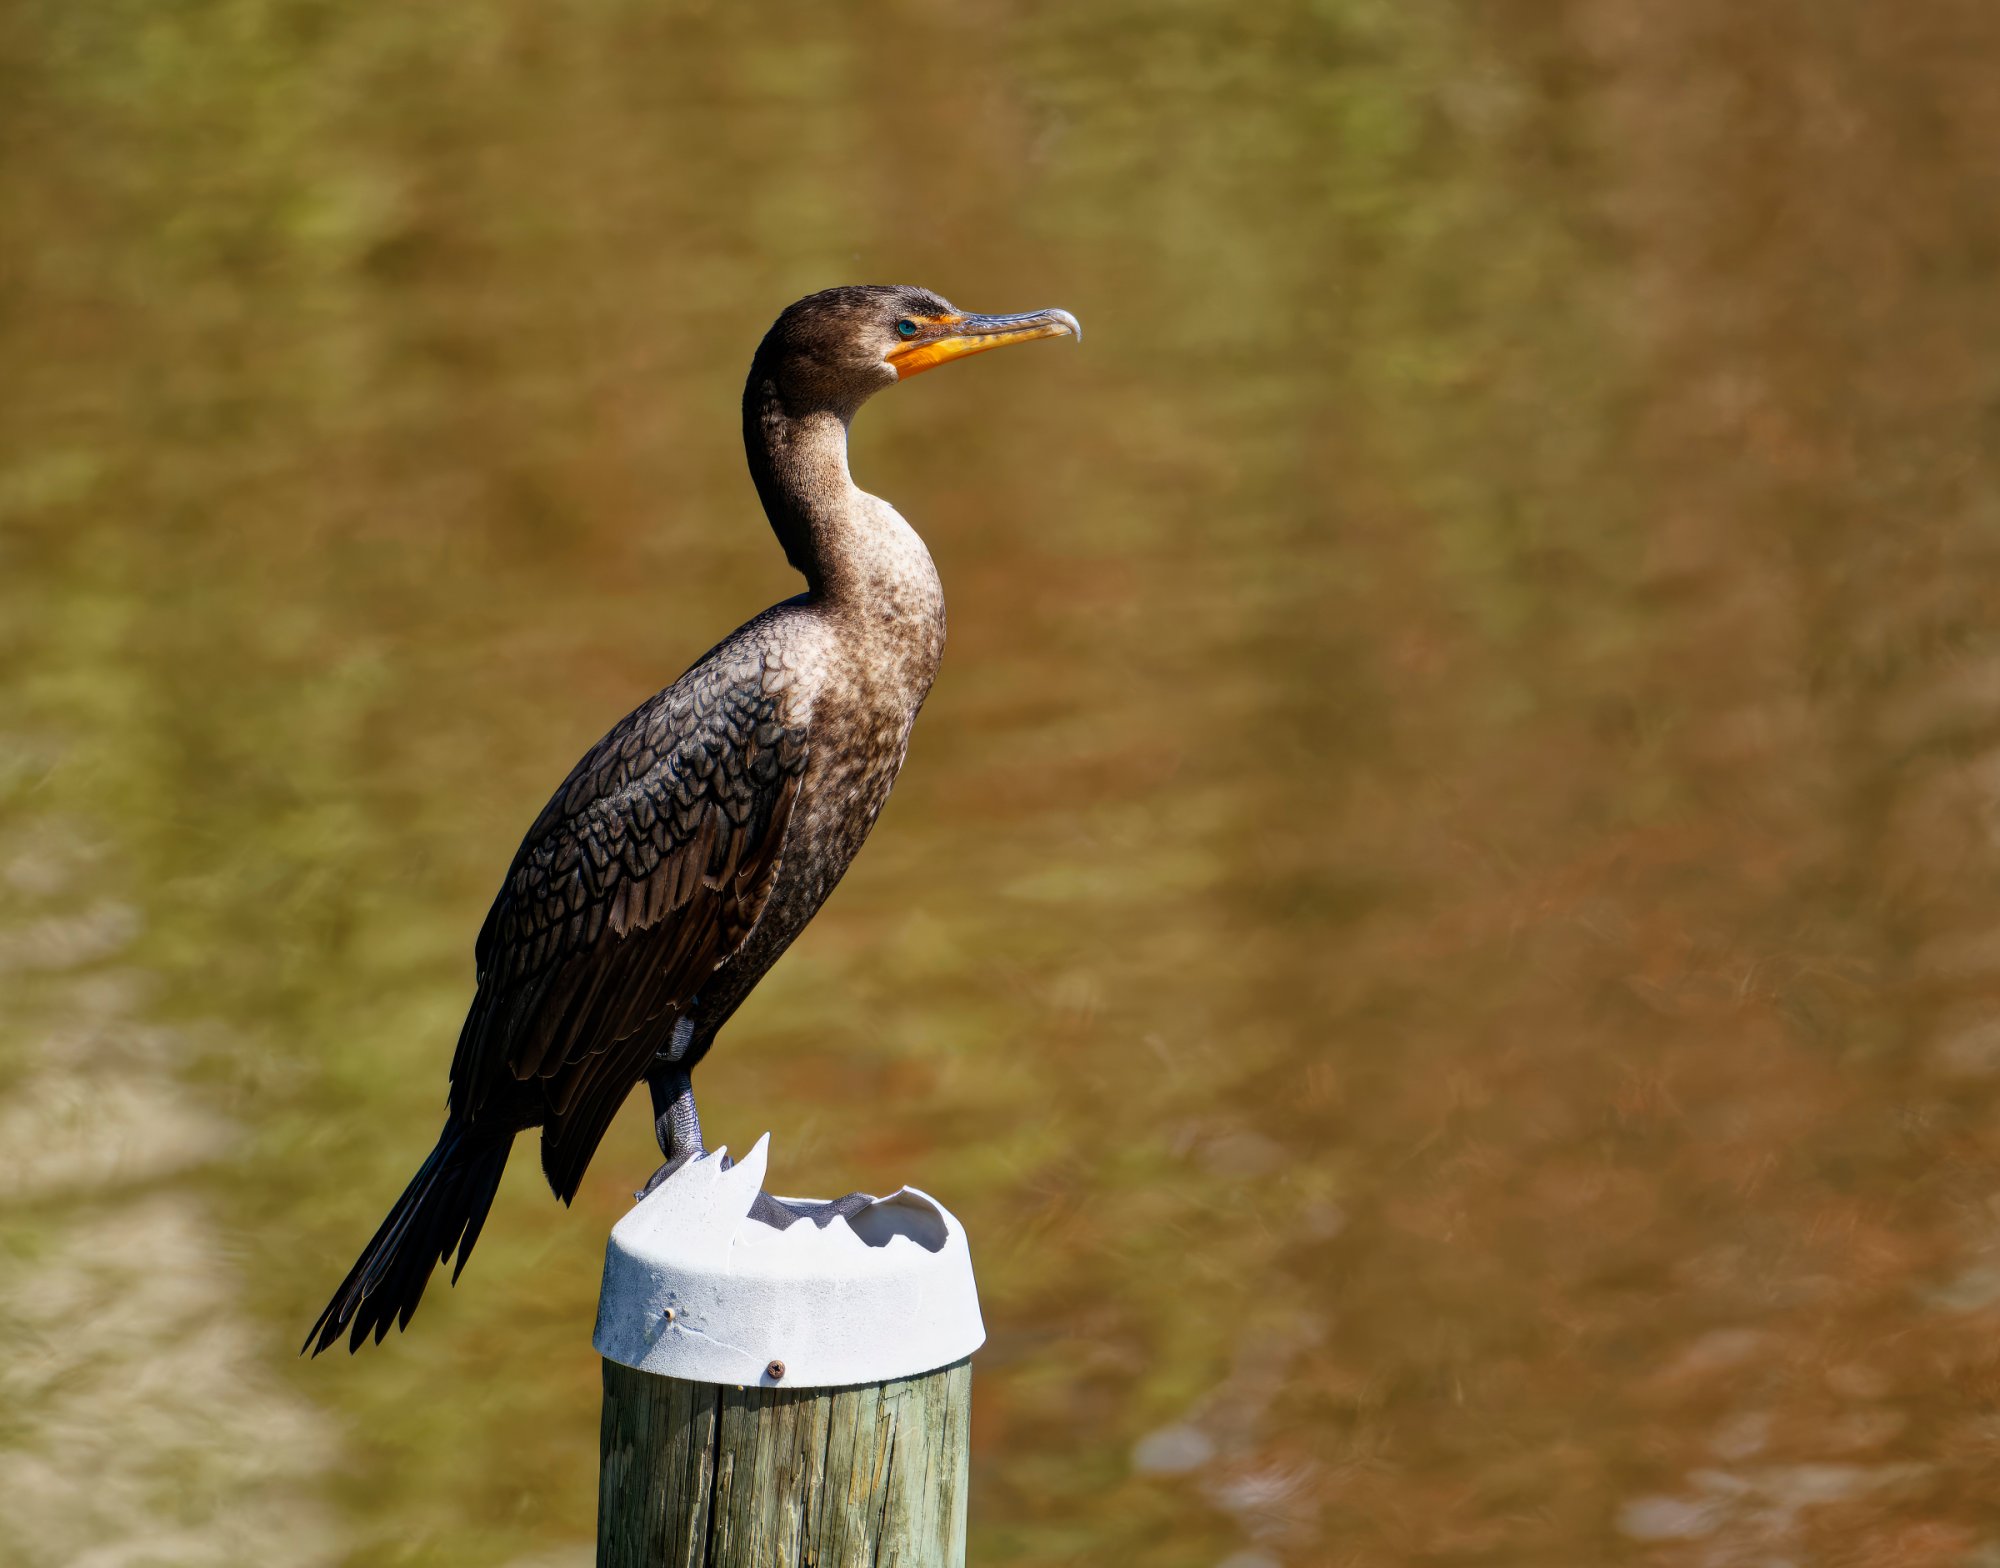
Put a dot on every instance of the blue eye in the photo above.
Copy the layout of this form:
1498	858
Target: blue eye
906	328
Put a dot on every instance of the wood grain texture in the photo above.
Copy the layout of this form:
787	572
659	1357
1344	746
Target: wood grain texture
700	1476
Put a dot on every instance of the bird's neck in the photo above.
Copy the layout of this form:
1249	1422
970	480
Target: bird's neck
855	550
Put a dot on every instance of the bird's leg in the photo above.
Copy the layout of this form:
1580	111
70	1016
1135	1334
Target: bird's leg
676	1122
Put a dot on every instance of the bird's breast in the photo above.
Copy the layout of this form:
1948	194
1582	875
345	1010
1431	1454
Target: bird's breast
866	678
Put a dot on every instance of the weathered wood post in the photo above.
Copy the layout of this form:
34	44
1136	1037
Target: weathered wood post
783	1397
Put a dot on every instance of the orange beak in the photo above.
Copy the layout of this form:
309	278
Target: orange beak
943	338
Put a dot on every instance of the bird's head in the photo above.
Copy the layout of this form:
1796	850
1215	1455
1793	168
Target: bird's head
837	348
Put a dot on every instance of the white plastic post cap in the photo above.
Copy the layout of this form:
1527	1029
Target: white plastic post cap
694	1288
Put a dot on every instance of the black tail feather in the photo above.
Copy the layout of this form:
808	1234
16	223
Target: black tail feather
480	1188
441	1211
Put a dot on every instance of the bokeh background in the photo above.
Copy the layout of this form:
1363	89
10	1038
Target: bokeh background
1441	925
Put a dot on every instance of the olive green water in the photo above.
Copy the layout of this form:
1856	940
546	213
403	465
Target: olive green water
1442	929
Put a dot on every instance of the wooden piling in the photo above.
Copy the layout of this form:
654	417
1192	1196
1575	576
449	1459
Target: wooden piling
701	1475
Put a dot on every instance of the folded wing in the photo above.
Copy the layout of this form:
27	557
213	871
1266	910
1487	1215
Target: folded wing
646	871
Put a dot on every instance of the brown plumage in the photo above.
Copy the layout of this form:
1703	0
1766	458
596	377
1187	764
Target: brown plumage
691	845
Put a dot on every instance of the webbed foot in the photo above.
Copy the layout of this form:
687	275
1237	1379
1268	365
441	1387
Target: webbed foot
666	1171
779	1215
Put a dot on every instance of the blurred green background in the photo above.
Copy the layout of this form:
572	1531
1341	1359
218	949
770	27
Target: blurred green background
1440	929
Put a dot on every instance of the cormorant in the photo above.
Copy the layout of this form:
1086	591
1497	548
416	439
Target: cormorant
695	840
